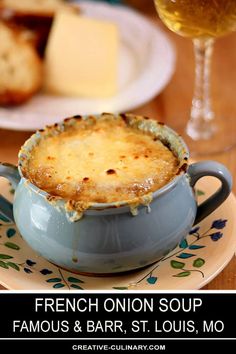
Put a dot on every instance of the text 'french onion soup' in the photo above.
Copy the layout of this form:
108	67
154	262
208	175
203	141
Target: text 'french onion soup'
100	160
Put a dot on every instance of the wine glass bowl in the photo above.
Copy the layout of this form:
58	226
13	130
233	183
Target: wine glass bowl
198	18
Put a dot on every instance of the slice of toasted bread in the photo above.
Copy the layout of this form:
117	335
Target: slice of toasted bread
36	15
20	66
32	7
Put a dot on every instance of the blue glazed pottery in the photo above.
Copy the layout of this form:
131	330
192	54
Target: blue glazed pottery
108	238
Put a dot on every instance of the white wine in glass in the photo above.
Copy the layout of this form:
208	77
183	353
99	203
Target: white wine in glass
202	21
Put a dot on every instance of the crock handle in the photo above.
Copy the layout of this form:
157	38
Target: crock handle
215	169
11	173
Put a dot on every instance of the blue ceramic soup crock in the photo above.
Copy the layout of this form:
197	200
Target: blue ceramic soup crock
108	238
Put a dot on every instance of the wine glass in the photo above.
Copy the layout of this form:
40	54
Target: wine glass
202	21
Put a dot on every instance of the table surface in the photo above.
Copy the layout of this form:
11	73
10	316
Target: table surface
174	102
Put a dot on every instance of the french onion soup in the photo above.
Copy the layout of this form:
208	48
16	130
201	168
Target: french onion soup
100	160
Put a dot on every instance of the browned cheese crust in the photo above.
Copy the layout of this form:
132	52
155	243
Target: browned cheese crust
101	161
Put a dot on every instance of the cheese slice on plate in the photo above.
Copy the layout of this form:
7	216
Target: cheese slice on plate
82	56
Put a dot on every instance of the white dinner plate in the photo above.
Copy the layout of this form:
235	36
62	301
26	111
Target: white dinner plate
146	64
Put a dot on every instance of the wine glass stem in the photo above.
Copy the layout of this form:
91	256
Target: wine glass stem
200	125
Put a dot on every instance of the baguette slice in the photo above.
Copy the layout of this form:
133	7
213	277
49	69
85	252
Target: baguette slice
36	15
20	66
32	7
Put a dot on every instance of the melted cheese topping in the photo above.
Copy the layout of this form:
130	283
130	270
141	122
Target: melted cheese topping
101	161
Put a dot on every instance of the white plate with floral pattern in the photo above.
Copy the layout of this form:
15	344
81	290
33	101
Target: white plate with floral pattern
198	259
146	64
